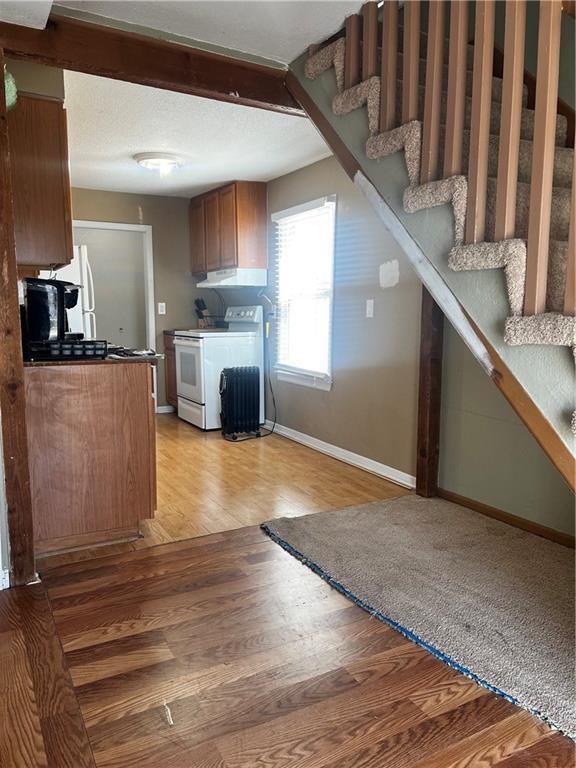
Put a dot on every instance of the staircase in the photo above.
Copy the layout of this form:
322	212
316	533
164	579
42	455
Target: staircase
473	174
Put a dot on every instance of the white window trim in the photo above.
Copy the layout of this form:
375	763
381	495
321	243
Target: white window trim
303	378
290	374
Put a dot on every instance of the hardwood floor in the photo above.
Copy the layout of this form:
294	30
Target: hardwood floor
225	652
40	720
207	485
222	651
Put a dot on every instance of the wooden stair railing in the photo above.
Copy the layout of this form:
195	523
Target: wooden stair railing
456	101
352	60
480	121
388	70
509	142
411	61
369	40
433	93
543	156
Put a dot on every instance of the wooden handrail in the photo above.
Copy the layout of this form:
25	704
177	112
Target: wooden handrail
389	65
369	39
480	121
544	145
410	61
433	92
509	144
456	100
352	62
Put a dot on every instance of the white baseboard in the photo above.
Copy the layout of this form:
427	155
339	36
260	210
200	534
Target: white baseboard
375	467
4	579
165	409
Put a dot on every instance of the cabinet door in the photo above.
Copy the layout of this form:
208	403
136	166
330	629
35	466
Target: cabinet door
197	246
40	182
212	231
170	377
228	250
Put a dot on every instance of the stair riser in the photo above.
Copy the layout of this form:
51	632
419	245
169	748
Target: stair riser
560	212
562	160
496	81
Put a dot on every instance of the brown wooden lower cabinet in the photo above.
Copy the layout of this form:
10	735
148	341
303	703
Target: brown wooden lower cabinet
92	451
170	370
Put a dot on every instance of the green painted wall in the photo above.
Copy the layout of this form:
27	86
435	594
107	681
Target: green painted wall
486	452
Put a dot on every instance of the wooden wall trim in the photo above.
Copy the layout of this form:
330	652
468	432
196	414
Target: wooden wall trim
506	517
109	52
12	405
429	396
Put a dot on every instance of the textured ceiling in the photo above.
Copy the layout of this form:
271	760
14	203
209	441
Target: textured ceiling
279	30
27	13
109	121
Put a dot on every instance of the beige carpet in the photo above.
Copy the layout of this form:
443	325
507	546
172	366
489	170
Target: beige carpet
489	599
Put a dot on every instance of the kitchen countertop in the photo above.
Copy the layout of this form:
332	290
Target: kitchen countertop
107	360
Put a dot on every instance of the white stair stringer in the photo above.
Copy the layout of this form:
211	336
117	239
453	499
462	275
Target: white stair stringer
452	190
407	137
509	255
330	56
367	92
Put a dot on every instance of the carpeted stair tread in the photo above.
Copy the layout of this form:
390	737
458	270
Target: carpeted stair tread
560	213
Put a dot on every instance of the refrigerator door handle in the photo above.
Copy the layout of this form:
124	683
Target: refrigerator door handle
89	325
90	281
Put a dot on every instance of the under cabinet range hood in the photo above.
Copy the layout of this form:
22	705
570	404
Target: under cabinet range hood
235	277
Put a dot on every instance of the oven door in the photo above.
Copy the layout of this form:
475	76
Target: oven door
189	369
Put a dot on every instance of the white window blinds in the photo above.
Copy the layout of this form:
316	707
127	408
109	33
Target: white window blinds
304	291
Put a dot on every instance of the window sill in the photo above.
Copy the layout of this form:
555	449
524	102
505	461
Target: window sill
305	379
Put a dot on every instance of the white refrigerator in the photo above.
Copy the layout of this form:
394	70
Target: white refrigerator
82	317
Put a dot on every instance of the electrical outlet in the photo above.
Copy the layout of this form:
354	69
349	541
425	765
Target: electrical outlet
370	308
161	307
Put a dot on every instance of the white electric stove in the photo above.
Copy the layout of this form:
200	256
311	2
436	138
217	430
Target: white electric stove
202	354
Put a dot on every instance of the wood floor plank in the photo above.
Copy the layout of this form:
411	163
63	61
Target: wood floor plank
553	751
41	723
200	720
488	745
168	681
407	748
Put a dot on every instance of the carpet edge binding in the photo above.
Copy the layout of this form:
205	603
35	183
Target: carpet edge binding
408	633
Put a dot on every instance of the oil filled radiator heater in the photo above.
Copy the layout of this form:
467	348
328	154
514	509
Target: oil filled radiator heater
240	401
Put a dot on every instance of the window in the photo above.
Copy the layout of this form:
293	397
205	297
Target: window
304	292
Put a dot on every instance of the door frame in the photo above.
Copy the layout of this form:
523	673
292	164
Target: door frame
149	300
149	295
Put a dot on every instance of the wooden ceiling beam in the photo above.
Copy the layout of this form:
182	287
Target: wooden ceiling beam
108	52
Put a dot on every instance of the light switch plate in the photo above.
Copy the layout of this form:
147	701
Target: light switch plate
369	307
161	307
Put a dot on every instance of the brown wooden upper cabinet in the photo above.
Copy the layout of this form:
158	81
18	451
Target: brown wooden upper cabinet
197	247
228	228
212	231
40	181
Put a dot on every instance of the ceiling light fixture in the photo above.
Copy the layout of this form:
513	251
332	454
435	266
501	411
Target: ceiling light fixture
162	163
